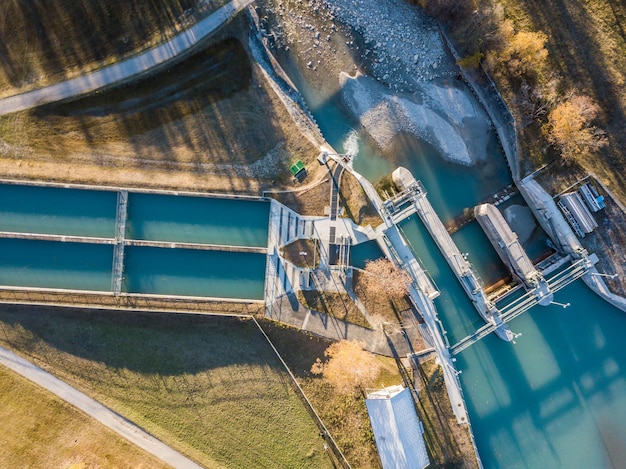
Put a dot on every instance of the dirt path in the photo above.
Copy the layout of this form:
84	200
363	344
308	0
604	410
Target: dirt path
96	410
123	71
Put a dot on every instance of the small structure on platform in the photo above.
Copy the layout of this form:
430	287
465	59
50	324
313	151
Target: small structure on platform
589	193
577	213
510	250
298	171
397	429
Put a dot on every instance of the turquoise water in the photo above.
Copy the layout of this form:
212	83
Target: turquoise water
455	309
556	398
361	253
188	272
53	210
471	239
451	187
79	212
201	220
51	264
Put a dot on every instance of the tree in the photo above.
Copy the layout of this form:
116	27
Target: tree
348	366
569	127
384	278
525	53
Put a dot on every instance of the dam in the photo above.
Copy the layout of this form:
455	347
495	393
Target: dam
413	199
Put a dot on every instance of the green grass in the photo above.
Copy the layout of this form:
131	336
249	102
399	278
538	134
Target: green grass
41	430
210	387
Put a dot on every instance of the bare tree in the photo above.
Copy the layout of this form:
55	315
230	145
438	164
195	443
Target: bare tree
569	127
384	278
348	366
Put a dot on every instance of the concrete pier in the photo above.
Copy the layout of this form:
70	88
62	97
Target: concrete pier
58	238
511	252
196	246
120	235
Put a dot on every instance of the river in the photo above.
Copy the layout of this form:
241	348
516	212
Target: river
557	397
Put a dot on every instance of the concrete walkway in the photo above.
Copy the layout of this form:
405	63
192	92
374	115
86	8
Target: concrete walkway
96	410
132	67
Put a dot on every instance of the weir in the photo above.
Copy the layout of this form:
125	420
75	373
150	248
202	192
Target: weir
527	301
120	234
511	252
413	199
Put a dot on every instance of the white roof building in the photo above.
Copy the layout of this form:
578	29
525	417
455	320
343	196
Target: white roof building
397	429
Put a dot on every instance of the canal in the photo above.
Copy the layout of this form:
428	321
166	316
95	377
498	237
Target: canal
155	270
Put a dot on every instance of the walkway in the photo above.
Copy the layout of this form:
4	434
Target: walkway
132	67
96	410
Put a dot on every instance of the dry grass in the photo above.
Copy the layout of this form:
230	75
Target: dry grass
344	415
449	444
339	305
587	51
377	304
45	42
41	430
310	201
207	386
209	123
355	203
292	252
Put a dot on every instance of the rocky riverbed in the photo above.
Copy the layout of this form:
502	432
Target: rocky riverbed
387	63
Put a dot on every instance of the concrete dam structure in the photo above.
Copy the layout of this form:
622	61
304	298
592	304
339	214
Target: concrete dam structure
509	249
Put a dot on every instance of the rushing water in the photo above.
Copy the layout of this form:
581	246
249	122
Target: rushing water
556	398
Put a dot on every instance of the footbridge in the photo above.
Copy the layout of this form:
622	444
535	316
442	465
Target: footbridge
522	304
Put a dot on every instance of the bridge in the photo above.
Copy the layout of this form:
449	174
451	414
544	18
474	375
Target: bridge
514	309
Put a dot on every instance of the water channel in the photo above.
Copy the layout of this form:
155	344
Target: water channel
86	265
556	398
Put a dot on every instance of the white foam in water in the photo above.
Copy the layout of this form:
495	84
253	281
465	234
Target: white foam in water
351	143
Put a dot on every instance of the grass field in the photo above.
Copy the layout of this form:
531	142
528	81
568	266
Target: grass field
345	415
212	122
40	431
210	387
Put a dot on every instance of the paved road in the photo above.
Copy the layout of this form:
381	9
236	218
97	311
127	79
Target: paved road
96	410
121	71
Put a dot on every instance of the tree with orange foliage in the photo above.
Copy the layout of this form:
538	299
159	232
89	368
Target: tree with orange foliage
348	366
569	127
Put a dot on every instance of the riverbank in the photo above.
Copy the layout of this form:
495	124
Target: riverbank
404	83
189	128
